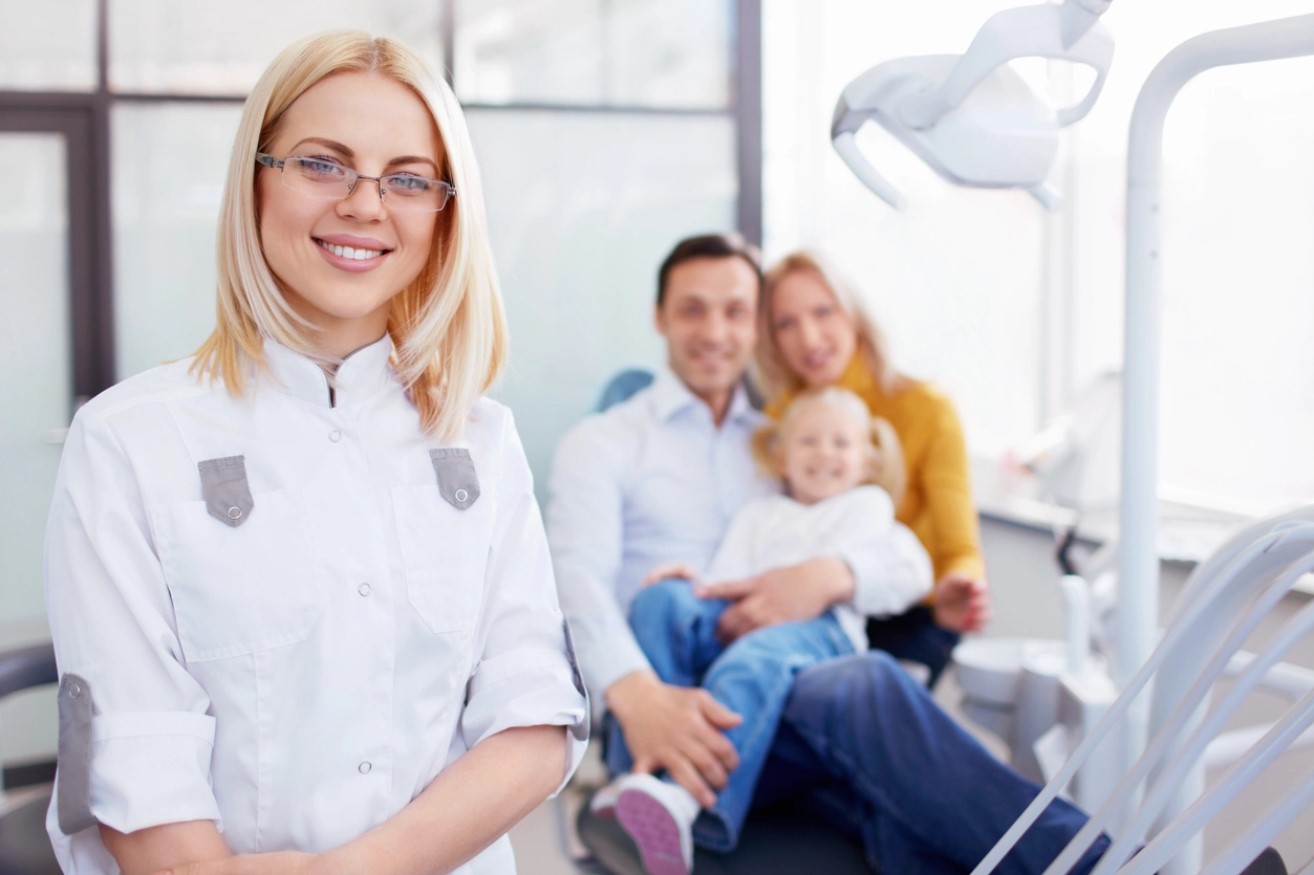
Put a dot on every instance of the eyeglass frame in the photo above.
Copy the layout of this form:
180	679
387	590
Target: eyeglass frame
264	159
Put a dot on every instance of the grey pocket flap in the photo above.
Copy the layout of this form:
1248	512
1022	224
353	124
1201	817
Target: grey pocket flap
227	495
75	713
457	481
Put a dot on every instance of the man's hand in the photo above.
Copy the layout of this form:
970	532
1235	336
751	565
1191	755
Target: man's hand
279	863
781	595
962	603
677	729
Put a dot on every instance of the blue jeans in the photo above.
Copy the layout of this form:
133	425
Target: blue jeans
753	677
863	743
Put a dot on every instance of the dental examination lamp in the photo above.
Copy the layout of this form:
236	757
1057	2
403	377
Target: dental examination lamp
971	117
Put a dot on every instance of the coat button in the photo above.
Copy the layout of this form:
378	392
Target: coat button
364	768
364	589
335	435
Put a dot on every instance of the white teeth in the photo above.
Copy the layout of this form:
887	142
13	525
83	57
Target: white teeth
350	252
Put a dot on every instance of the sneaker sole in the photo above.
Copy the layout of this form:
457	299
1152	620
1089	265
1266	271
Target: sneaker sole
654	830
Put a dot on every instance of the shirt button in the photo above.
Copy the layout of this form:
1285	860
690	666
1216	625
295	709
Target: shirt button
335	435
364	589
364	768
234	513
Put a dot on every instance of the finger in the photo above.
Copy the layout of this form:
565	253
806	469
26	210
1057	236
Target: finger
644	764
689	778
717	714
721	748
709	765
726	589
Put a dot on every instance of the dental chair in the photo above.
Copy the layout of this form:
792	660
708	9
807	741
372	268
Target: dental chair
1157	809
24	847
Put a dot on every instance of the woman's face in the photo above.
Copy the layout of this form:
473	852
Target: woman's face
816	338
341	261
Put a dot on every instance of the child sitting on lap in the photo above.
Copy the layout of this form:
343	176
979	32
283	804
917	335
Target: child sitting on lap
843	473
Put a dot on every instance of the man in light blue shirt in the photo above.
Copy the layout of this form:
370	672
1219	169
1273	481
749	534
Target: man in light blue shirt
656	480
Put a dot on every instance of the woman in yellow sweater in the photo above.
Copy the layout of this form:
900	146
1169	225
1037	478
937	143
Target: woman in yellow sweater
816	331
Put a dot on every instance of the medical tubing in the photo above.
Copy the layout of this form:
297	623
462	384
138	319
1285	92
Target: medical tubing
1174	769
1245	848
1051	790
1177	722
1276	741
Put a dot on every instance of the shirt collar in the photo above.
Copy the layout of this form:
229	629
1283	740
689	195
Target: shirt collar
361	375
670	396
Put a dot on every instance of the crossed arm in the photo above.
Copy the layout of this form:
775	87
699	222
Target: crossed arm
471	802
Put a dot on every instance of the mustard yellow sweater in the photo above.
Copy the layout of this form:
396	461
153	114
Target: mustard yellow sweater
937	504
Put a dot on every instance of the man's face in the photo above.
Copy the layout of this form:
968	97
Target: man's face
709	321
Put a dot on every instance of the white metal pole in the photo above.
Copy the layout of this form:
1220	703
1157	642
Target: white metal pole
1139	563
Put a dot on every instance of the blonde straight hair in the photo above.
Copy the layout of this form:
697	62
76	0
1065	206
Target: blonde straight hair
448	327
777	379
883	450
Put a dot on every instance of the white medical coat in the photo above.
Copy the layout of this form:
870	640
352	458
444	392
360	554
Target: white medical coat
301	675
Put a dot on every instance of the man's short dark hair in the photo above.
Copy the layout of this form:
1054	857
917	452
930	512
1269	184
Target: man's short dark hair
730	245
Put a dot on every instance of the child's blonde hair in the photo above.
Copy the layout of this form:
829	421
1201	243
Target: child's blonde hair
883	448
448	326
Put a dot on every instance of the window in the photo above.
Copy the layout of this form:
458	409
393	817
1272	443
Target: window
1013	310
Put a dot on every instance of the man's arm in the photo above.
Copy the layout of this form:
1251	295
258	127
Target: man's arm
877	565
665	727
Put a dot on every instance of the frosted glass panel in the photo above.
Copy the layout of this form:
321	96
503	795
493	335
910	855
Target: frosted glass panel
582	208
673	53
35	361
222	48
48	46
168	169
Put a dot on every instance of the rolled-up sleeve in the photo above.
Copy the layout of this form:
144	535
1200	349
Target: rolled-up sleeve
526	672
585	526
136	751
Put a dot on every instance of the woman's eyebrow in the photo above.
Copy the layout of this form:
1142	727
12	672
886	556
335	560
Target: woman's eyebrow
347	152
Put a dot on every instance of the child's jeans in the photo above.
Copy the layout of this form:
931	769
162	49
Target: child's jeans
752	676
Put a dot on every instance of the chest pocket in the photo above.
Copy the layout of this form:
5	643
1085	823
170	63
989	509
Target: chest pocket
446	531
238	589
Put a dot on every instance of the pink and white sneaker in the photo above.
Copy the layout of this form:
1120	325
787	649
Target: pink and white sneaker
659	816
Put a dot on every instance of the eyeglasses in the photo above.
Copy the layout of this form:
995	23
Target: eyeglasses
320	177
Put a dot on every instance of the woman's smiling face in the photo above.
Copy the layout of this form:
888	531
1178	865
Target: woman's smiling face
340	261
815	336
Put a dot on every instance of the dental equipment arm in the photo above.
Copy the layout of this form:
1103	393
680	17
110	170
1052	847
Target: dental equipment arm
971	117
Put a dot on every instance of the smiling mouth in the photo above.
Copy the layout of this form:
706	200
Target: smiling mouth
351	253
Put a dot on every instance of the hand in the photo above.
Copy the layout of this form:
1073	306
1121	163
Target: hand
677	729
962	603
278	863
671	569
781	595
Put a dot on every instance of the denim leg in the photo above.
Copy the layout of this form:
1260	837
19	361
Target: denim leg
753	677
677	632
932	798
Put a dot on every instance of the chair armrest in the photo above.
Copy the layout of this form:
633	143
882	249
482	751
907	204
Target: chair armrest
25	667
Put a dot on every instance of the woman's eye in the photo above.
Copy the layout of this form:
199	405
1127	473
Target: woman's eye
404	183
784	324
321	167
